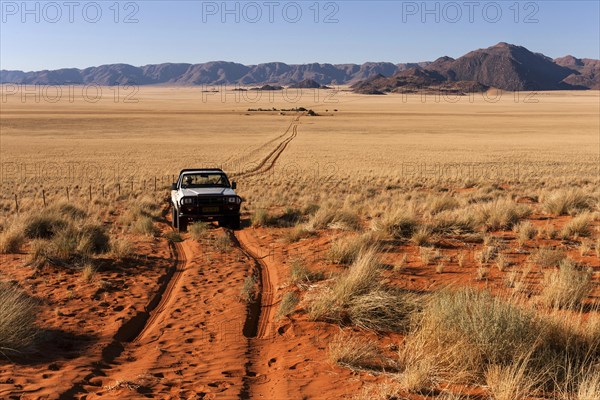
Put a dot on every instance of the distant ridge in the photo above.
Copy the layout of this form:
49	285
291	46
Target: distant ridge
503	66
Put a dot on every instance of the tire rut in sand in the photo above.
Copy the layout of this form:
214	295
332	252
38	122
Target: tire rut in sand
268	162
137	326
259	313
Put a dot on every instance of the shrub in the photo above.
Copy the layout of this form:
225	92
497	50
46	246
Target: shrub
428	255
18	314
353	352
288	302
571	201
331	217
39	252
261	217
381	309
44	226
92	239
566	287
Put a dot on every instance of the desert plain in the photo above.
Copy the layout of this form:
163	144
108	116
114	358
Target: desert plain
393	247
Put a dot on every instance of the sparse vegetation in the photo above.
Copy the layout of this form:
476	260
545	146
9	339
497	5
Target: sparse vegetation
222	242
568	201
301	275
198	230
249	288
566	287
288	302
353	352
18	314
579	226
357	297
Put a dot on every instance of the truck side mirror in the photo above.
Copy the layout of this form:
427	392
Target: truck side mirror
173	186
234	185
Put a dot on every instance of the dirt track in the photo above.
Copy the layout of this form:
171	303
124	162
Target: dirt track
149	343
268	162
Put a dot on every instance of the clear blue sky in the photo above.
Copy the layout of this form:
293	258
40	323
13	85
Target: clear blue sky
193	31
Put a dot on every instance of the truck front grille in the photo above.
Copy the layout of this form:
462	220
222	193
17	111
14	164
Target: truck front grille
205	200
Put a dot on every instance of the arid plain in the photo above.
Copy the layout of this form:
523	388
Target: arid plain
393	247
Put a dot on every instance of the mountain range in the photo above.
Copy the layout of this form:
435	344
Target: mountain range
503	66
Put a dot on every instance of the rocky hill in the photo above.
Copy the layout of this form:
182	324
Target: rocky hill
503	66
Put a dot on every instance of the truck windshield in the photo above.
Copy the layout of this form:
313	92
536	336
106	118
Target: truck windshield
198	180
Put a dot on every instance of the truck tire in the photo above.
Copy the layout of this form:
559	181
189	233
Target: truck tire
234	222
174	218
183	223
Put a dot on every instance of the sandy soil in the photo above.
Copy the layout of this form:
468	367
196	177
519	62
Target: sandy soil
171	323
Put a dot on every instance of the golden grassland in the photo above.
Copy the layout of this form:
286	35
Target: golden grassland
504	187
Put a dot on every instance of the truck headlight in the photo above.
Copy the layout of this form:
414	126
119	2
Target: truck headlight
234	200
187	201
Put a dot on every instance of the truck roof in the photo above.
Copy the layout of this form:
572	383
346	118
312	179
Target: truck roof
201	170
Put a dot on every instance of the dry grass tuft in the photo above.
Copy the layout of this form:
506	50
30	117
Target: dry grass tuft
546	257
120	248
568	201
288	303
501	214
354	352
510	382
18	314
88	272
525	231
11	240
249	289
566	287
198	230
346	250
301	275
144	225
401	225
357	298
579	226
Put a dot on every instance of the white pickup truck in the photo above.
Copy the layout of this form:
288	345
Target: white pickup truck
204	195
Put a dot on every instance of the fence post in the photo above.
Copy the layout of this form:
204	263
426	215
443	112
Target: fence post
90	192
68	199
16	204
103	190
155	184
119	189
132	185
44	197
